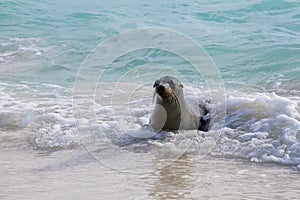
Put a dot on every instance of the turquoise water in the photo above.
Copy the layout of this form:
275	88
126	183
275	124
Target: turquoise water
254	44
46	127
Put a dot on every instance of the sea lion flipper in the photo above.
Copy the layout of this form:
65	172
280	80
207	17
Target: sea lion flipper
205	118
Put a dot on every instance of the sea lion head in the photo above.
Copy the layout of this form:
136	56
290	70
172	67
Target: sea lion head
168	88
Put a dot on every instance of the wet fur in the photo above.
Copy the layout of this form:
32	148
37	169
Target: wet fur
179	115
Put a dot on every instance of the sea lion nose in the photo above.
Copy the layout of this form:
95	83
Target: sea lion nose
160	87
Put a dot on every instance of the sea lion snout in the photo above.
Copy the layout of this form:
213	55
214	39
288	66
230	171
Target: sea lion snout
160	87
161	90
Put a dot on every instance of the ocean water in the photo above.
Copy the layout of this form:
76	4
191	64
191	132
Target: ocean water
70	131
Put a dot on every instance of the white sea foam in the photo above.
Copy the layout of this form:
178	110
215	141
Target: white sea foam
258	127
265	128
16	53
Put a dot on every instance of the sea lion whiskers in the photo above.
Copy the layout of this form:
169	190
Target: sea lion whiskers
176	101
169	94
173	99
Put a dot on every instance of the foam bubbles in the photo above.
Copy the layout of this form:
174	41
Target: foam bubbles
258	127
21	49
262	128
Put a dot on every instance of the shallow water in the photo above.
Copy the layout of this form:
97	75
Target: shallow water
58	140
74	174
46	152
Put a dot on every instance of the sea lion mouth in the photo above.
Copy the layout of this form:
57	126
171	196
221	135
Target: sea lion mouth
164	92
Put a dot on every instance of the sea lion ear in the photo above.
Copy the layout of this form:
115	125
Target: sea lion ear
181	85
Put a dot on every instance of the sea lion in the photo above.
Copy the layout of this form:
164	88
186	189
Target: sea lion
171	112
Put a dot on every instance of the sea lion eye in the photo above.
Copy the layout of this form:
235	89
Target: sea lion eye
172	83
